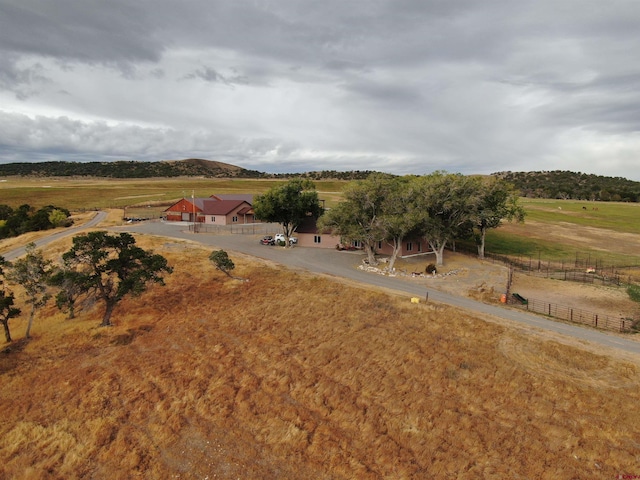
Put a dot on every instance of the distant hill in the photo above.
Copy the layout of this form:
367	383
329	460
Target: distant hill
574	186
193	167
543	184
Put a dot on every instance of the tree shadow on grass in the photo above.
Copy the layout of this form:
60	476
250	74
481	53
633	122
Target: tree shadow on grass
8	354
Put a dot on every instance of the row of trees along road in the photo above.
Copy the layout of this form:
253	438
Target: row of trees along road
440	208
98	265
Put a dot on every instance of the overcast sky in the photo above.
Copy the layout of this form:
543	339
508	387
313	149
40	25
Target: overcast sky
293	85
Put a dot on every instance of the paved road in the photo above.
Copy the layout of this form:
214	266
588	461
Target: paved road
42	242
342	264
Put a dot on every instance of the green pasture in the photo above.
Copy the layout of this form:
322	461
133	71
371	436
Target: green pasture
502	243
619	217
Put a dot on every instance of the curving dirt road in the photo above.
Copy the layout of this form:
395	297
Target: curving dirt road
44	241
343	264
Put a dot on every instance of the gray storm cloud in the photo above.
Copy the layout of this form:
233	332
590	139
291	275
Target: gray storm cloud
398	86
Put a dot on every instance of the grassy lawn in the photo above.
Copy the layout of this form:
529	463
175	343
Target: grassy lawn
619	217
503	243
558	230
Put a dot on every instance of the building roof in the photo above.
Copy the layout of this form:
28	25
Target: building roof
247	197
187	206
210	206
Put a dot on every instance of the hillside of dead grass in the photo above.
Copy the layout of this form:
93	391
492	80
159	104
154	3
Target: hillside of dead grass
297	376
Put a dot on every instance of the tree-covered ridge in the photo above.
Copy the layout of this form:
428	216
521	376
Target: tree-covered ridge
129	169
330	175
192	167
572	185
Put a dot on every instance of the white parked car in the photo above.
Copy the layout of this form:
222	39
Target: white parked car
279	237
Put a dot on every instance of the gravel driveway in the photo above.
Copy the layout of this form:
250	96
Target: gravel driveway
343	264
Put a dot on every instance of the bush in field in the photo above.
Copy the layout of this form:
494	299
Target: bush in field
59	218
634	292
221	260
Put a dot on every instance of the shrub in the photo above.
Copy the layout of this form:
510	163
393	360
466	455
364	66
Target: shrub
431	269
634	292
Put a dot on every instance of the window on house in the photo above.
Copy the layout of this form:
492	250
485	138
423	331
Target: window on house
357	243
380	245
409	246
419	247
234	219
317	238
213	219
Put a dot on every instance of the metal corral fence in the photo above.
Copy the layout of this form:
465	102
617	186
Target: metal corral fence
559	270
575	315
577	270
596	278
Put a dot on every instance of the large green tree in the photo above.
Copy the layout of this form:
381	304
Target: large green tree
32	272
7	299
358	216
399	217
288	204
446	203
113	266
497	201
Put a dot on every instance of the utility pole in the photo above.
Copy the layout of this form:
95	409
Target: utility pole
193	202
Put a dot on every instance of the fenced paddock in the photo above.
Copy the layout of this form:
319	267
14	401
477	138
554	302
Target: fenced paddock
578	276
584	270
575	271
576	315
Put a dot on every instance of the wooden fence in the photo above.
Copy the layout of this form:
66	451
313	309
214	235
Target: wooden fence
576	315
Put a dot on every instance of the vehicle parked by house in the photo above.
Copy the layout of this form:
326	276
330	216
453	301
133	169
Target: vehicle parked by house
281	238
267	240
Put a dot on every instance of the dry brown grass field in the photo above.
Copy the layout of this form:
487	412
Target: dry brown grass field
141	197
295	376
